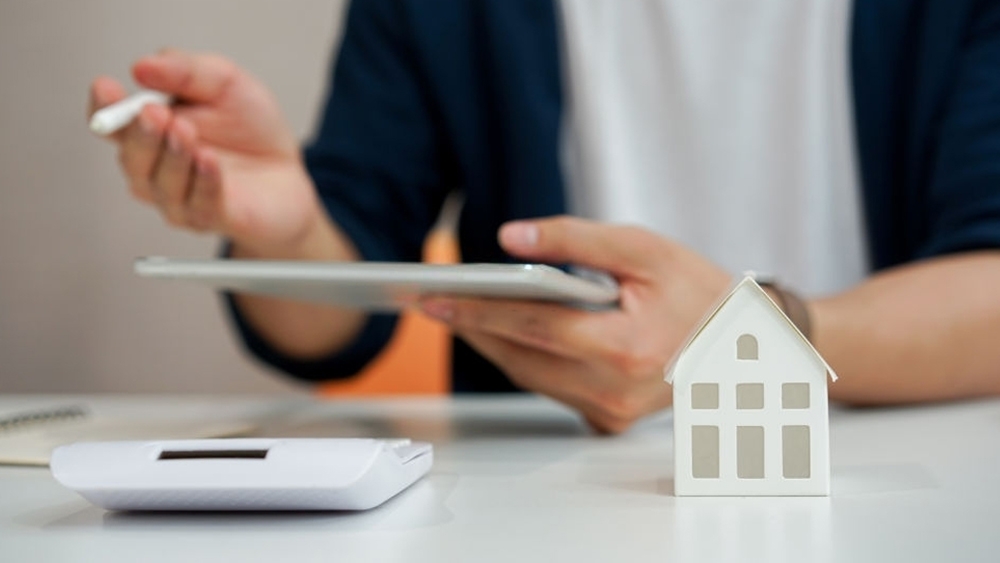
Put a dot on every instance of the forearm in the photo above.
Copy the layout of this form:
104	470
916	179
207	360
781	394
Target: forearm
298	329
921	332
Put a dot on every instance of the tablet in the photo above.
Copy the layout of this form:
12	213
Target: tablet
384	286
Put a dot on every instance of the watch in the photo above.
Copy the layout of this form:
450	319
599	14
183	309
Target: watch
788	301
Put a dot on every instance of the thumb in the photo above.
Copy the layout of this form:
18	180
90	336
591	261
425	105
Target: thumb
192	77
105	91
616	249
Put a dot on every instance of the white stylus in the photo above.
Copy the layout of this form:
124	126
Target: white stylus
112	118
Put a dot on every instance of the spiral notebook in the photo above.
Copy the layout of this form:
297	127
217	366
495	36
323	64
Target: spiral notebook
27	437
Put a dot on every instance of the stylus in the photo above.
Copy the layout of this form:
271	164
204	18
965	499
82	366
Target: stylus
119	114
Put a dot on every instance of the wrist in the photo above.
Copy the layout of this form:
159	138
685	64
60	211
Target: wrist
319	239
798	310
302	230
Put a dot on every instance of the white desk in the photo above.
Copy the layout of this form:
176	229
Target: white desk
520	479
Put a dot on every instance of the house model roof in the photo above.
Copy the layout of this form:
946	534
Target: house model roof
746	286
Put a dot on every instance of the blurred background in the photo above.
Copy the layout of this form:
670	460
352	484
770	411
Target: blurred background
73	317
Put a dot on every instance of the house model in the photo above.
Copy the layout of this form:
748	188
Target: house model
750	404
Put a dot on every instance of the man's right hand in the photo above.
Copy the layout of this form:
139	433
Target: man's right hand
222	159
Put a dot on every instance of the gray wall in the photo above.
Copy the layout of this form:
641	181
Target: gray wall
72	315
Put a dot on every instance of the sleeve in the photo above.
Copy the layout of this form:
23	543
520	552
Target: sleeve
963	203
377	165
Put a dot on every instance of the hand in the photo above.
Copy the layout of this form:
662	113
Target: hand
609	364
221	160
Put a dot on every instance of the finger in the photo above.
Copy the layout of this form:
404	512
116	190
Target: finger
534	370
565	381
204	203
617	410
556	329
606	425
608	403
104	91
172	178
196	78
614	248
140	145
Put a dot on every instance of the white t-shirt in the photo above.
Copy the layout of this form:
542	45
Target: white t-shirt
725	125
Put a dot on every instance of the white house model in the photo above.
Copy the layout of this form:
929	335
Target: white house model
750	404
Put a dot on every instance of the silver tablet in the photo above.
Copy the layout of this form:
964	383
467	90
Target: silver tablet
384	286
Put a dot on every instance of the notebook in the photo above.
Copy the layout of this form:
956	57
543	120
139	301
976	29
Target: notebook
28	436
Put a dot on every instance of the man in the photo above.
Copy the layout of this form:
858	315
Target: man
851	151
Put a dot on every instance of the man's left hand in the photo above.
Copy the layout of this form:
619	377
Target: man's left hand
608	365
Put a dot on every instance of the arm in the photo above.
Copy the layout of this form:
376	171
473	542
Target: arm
378	171
298	329
926	331
224	161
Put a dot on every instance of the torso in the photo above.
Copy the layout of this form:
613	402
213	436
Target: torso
724	125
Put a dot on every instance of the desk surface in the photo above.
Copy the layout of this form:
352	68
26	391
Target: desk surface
520	479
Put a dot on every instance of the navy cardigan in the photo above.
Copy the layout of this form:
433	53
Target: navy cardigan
432	96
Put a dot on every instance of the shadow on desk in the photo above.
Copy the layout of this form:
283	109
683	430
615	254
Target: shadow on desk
484	421
422	505
437	430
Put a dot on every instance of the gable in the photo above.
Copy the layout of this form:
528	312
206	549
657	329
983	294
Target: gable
781	348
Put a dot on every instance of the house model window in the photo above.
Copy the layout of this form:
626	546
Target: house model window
746	347
749	396
705	396
750	423
795	395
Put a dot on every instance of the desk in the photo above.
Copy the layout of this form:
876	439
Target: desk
520	479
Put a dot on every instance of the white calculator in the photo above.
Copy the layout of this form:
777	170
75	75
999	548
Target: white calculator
242	474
